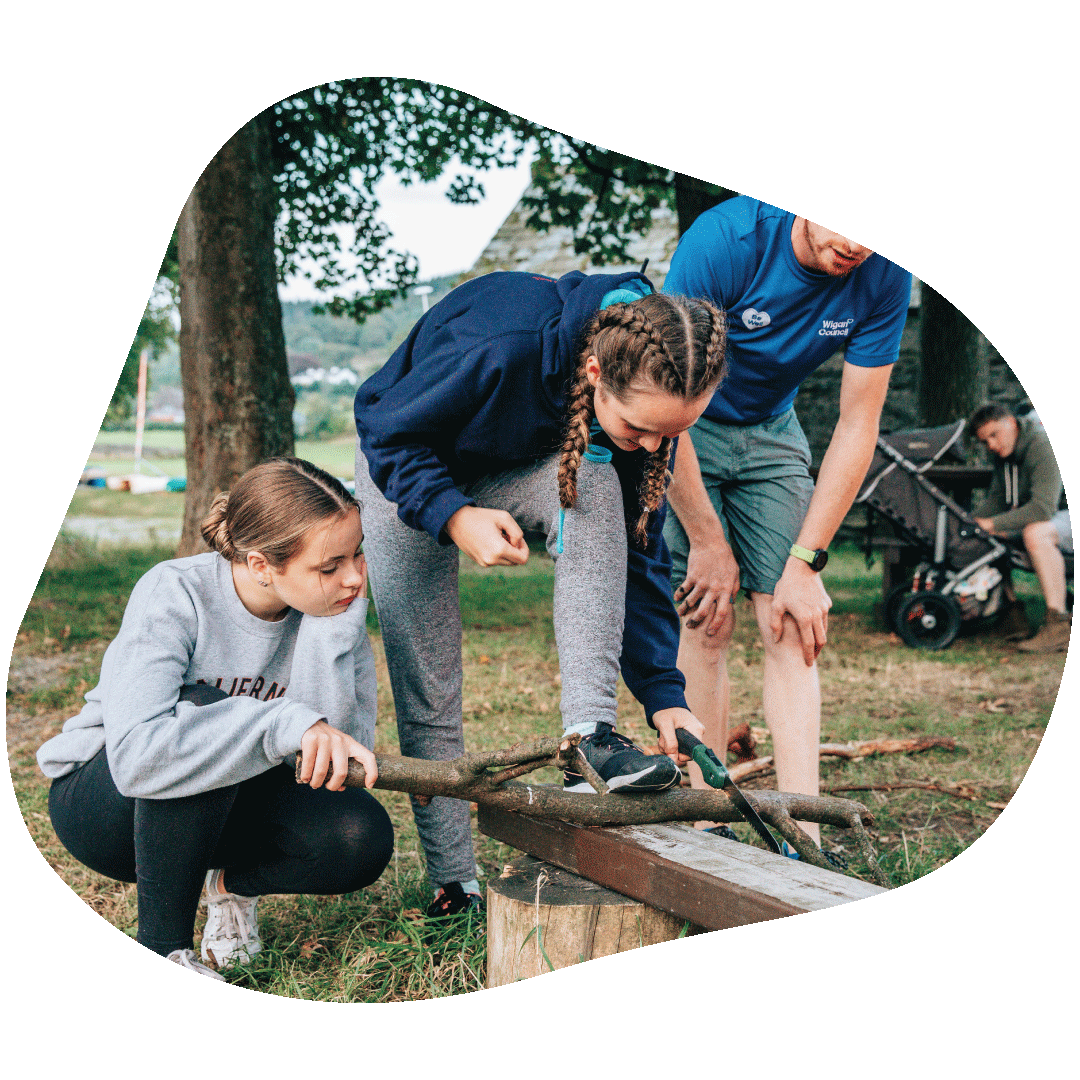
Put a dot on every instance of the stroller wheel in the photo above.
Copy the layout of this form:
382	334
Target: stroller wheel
928	620
897	595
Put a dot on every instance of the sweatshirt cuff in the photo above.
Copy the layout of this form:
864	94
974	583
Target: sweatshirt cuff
436	513
290	728
666	693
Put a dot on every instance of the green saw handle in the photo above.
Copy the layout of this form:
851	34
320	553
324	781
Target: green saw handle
712	769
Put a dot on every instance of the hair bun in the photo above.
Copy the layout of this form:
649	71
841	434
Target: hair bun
214	529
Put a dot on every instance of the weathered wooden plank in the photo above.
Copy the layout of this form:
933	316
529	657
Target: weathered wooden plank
715	883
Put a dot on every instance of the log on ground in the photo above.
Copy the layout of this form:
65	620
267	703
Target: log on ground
541	918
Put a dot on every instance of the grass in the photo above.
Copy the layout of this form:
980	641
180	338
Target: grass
113	452
369	946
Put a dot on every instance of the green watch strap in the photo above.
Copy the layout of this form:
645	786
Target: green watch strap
815	559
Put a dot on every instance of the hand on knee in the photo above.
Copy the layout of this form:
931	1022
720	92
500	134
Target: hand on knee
711	647
790	648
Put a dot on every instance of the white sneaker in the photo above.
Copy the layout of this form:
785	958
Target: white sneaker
186	959
231	935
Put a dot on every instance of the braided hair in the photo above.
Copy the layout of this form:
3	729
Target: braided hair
669	343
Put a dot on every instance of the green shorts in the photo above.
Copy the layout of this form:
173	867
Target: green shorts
758	479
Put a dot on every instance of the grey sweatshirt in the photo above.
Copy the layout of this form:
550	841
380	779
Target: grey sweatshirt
184	623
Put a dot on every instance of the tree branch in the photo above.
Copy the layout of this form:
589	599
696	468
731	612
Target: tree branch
470	778
922	785
852	751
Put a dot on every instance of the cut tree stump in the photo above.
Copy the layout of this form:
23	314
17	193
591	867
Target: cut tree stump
541	918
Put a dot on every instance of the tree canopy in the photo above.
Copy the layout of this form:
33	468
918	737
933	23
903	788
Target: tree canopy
294	188
334	142
331	145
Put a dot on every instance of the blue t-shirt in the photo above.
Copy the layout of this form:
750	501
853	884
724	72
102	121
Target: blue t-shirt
784	321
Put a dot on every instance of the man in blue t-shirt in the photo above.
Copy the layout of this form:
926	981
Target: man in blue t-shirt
746	512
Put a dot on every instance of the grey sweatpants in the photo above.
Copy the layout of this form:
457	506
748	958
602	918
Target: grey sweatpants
414	584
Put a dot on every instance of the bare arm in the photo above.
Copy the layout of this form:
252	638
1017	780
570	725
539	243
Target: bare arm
712	575
799	592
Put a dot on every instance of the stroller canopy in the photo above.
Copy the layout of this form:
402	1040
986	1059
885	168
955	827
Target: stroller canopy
920	447
896	487
927	446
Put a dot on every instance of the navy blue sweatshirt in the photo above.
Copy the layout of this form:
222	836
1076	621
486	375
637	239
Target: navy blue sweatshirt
479	387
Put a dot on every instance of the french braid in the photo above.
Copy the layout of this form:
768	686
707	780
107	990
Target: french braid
576	440
670	343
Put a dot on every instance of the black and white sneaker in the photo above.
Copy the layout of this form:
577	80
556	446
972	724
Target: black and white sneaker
454	900
623	765
454	911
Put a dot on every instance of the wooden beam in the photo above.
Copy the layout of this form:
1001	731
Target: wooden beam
715	883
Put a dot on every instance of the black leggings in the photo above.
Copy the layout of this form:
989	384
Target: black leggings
269	834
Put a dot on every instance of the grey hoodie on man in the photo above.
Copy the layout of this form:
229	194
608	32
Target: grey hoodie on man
1026	486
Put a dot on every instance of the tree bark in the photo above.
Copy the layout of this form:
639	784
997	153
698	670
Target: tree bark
541	918
954	378
238	400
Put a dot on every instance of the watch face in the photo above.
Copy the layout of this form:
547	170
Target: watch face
821	557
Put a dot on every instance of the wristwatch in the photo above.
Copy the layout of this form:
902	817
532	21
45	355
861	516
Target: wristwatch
817	559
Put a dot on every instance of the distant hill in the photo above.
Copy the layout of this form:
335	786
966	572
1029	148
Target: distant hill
327	341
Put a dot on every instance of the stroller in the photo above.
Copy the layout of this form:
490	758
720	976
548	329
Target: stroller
961	575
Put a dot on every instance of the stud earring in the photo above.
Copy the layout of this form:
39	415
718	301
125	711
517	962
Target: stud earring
264	583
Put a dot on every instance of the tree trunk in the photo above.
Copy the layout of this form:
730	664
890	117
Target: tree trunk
238	400
694	197
953	381
541	918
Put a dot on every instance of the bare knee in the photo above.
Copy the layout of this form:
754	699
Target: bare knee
1040	535
788	650
707	648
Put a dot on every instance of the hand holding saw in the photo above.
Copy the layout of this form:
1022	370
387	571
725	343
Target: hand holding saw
717	776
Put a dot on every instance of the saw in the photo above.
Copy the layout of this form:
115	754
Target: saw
717	776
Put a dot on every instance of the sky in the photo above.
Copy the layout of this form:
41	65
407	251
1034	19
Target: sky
446	237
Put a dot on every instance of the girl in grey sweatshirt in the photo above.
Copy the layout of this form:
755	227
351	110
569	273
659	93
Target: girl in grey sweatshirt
179	768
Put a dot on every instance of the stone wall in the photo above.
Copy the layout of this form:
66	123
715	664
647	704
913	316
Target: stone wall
818	403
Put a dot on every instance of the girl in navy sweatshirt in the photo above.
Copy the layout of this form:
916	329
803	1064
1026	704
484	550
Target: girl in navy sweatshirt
524	402
179	768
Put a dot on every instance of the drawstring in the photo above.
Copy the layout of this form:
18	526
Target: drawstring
1012	484
601	456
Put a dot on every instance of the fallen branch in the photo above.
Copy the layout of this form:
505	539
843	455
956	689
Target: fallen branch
489	778
870	747
852	751
740	772
924	786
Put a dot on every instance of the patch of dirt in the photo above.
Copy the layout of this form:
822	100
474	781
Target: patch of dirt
26	728
29	673
27	731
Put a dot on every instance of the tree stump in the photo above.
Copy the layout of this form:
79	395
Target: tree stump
541	918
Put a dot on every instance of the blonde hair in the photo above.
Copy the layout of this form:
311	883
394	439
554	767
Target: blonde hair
271	508
675	344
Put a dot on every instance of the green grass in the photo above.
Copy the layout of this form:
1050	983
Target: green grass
114	453
82	592
157	439
103	503
369	946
